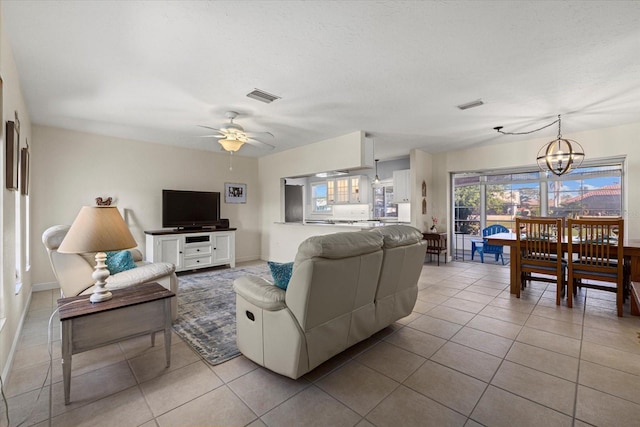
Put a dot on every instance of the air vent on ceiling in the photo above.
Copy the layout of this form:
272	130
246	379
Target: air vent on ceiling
263	96
476	103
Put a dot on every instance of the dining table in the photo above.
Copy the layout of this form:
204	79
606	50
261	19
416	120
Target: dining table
631	256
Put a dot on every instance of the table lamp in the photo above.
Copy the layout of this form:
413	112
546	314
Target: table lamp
98	229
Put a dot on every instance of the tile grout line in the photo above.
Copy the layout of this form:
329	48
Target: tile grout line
575	397
500	365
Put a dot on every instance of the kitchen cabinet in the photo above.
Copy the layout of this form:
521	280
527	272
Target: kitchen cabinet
348	189
342	186
401	187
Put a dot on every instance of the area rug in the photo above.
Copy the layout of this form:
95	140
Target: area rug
207	310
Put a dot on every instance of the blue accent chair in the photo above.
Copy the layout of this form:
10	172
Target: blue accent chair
476	246
485	248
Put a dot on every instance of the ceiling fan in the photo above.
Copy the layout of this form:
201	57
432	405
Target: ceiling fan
232	136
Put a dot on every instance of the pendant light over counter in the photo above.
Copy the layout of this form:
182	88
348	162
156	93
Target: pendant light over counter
376	180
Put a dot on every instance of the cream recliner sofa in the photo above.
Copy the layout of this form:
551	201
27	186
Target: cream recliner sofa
344	288
73	271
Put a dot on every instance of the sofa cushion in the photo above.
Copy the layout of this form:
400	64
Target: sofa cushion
281	273
118	261
398	235
339	245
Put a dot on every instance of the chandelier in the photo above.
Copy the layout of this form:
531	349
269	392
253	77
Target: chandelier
558	156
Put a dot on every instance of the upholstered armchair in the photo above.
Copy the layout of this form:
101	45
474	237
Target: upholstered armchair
74	271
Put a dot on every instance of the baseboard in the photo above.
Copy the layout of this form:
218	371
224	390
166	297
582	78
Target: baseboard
248	258
44	286
16	339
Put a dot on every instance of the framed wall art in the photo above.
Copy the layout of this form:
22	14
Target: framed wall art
24	170
235	193
12	155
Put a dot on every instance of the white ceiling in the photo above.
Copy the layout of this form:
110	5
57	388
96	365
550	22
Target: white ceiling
155	70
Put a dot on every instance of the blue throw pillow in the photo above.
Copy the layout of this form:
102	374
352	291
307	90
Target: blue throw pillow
281	273
119	261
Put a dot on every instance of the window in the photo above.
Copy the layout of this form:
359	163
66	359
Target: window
589	191
511	195
19	243
467	205
483	199
319	197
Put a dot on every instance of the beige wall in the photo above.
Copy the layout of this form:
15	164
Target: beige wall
70	169
12	305
422	170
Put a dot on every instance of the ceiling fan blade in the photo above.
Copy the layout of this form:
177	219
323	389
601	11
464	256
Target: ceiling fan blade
210	136
260	144
209	127
259	134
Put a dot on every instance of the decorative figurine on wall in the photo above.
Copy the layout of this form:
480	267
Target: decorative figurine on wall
104	202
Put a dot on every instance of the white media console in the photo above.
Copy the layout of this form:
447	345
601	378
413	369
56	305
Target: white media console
192	249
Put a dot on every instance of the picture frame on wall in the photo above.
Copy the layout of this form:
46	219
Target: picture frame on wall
12	156
24	170
235	193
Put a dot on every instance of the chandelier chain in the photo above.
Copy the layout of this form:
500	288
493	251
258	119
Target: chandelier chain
559	130
499	128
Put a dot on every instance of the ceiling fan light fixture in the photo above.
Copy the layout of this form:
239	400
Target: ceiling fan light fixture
231	145
232	136
231	127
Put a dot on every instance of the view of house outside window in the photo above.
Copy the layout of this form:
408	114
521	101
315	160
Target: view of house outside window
319	199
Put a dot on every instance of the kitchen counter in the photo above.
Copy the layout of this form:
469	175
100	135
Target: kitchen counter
287	236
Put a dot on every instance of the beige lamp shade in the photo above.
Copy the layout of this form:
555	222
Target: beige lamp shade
97	229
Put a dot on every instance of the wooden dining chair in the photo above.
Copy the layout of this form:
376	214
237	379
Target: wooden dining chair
596	257
539	243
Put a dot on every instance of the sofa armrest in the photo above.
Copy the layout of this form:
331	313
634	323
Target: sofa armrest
259	292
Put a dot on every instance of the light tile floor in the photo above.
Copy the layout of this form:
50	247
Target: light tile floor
469	355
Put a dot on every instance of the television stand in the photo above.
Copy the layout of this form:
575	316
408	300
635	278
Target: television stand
191	249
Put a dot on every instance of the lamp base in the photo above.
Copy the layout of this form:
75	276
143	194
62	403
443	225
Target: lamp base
100	275
99	296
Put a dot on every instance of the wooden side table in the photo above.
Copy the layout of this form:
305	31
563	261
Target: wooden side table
134	311
436	244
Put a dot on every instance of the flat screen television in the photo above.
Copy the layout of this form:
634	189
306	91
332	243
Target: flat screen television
190	209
